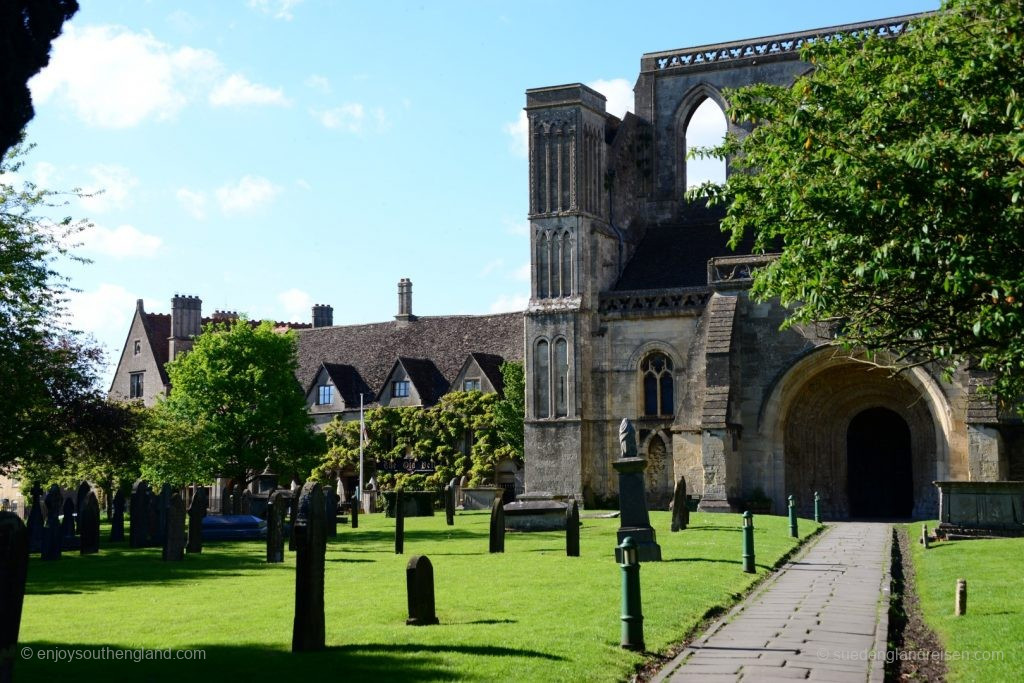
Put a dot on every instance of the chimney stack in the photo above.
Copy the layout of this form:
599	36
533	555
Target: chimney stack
405	301
186	323
323	315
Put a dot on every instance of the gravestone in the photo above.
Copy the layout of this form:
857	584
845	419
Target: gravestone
634	520
419	585
245	504
310	549
497	539
449	502
293	505
463	483
236	500
572	529
174	531
52	532
138	531
67	522
83	491
89	524
331	511
162	510
399	524
36	515
13	570
154	536
355	512
225	501
117	519
196	514
680	513
277	506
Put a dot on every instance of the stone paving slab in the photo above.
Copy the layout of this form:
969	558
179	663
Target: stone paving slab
816	619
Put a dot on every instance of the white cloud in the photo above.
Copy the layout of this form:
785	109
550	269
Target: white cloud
246	194
278	9
104	312
491	267
706	129
519	131
193	201
522	273
619	93
115	78
317	82
124	241
237	90
348	117
296	304
44	174
510	302
110	187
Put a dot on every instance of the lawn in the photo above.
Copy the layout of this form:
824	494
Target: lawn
529	614
994	622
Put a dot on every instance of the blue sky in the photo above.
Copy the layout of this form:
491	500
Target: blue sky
266	155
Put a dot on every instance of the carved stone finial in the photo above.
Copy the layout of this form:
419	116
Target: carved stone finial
627	439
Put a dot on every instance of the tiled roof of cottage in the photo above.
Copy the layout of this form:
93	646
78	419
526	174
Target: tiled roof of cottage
429	382
348	383
372	349
490	365
158	331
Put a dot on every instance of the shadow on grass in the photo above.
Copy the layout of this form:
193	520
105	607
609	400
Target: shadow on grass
702	559
361	662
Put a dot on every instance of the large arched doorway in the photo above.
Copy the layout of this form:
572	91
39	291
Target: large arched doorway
879	475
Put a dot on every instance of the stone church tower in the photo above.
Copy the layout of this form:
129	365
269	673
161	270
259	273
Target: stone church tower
638	309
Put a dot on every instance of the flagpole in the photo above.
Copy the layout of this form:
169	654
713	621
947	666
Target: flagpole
362	429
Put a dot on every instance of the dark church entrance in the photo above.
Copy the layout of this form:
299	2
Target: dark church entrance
879	481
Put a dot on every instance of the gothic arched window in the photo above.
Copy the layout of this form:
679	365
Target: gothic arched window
656	375
706	128
541	379
561	378
566	265
543	257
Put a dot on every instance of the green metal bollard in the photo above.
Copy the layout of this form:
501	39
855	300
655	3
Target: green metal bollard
748	542
792	518
632	615
817	508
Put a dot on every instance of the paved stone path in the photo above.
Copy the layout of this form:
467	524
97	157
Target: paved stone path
820	618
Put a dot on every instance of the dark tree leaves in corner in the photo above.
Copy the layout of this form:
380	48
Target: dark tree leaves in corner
892	177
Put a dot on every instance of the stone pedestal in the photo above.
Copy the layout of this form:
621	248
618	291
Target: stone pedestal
981	507
535	512
634	520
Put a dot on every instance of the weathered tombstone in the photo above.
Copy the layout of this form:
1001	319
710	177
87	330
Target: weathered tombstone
463	483
331	511
236	500
634	520
13	569
162	509
497	540
154	536
572	529
52	532
680	513
117	519
277	506
36	514
196	513
225	501
449	502
245	504
174	532
308	631
355	512
399	523
83	491
419	585
293	515
89	524
138	532
67	521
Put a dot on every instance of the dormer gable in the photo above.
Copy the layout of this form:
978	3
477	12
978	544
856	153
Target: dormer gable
480	372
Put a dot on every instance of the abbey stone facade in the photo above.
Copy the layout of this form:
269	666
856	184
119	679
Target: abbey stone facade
638	309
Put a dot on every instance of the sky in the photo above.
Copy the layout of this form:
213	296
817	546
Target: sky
266	155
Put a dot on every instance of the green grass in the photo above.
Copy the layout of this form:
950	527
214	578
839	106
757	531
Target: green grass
529	614
995	603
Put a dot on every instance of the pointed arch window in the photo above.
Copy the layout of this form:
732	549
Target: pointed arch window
541	379
566	267
705	128
561	378
658	386
543	265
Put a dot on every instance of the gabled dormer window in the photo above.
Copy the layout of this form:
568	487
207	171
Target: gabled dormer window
325	394
471	385
400	389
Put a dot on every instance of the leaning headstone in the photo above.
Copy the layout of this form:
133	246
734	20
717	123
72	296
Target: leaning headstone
634	520
277	505
245	504
196	513
67	522
399	523
310	549
449	502
293	514
572	529
117	519
83	491
89	524
497	540
680	513
13	569
419	585
36	515
331	511
174	532
355	512
52	532
138	532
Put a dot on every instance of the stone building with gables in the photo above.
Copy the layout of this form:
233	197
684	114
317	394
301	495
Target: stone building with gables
638	309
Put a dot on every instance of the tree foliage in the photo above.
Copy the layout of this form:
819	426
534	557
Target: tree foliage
892	178
234	403
510	411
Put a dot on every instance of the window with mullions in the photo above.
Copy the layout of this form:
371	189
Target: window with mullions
656	374
471	385
400	389
324	395
135	386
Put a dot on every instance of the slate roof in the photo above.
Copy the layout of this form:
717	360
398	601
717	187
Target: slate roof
490	365
372	349
158	331
348	382
676	256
